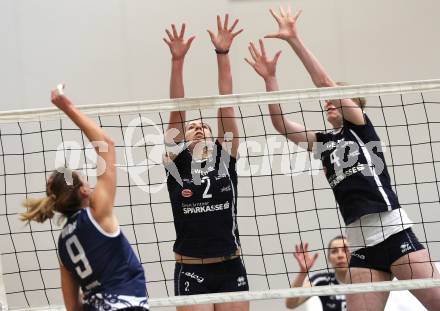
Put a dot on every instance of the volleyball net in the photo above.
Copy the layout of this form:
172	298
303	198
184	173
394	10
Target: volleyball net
283	196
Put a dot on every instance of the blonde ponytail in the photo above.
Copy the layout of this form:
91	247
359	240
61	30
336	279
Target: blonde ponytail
39	210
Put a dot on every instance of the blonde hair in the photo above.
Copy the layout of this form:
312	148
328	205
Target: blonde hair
361	101
61	196
38	210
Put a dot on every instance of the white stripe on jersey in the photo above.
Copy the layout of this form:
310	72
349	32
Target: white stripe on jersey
325	278
373	170
99	228
233	206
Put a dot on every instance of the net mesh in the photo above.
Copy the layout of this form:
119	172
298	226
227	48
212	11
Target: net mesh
283	197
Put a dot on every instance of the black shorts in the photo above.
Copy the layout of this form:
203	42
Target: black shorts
381	256
226	276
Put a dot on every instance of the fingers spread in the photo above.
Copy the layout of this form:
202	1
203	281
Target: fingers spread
262	49
219	23
237	33
182	31
225	25
174	30
298	14
275	15
233	25
277	55
169	35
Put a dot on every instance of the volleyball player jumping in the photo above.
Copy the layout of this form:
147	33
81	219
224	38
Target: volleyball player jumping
202	183
378	230
94	254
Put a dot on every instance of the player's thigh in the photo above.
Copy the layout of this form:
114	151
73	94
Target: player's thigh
371	301
232	306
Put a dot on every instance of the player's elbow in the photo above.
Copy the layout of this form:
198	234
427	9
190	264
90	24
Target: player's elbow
278	123
291	303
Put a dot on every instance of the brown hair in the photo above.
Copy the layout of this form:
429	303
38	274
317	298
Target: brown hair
361	101
61	196
338	237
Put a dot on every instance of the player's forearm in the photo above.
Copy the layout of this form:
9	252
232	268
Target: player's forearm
294	302
93	132
316	71
224	74
177	89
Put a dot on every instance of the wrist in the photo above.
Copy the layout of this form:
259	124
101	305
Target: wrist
177	60
270	79
221	51
293	40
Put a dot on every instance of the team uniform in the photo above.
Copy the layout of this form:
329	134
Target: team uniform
203	196
332	302
108	271
355	168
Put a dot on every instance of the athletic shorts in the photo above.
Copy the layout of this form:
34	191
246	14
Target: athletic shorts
226	276
381	256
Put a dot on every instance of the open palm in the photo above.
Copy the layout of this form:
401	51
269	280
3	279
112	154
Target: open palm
176	42
305	261
263	65
286	24
225	35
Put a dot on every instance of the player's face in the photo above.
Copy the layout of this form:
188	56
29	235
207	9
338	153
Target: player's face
196	131
334	115
339	254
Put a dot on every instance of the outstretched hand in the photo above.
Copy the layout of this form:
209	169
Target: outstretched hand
60	101
286	24
176	42
263	65
305	261
225	35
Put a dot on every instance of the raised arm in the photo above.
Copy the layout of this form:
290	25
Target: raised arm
101	199
305	262
70	289
178	48
222	42
288	32
266	68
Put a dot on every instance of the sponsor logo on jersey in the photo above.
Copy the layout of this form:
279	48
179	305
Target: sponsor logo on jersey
225	189
199	208
187	193
405	247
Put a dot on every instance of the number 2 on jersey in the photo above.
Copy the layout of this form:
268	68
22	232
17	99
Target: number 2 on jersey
83	270
206	195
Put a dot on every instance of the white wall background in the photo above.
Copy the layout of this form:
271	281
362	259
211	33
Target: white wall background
112	50
109	50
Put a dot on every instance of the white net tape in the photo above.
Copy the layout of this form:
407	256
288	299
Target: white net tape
241	100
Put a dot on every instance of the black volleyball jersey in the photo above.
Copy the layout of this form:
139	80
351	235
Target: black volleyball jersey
355	168
203	196
332	302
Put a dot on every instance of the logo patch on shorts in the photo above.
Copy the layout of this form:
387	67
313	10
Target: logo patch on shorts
405	247
187	193
241	281
358	255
